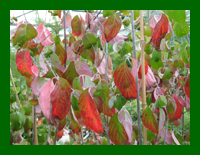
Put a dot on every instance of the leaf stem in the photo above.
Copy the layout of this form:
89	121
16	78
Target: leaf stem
64	14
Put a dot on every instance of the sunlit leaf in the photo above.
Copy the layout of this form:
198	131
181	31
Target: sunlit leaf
176	15
89	39
181	30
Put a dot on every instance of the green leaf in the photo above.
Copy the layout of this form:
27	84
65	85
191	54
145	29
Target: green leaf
168	73
136	14
74	102
148	48
150	135
126	12
102	90
126	22
107	13
179	138
56	39
181	30
62	54
117	133
178	63
177	15
77	83
159	103
156	61
184	53
126	48
170	108
112	101
24	33
87	53
89	39
121	101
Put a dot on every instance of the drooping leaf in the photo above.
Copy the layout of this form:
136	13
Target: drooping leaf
125	119
117	133
37	84
159	103
70	73
60	99
175	139
121	101
44	98
89	113
74	102
156	61
70	55
187	86
178	63
140	70
24	33
24	63
159	32
149	120
187	135
76	25
181	30
176	15
125	82
62	54
89	39
112	26
170	108
82	68
44	35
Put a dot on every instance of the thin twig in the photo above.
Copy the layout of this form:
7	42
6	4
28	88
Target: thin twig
166	130
25	17
138	97
64	14
15	88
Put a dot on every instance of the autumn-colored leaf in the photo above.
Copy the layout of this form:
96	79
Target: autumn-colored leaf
60	99
125	82
70	55
169	139
24	63
77	25
37	84
187	86
24	33
74	126
149	120
82	68
159	32
156	93
161	119
140	70
105	107
87	53
70	73
33	102
68	20
89	39
43	33
89	112
62	54
117	132
112	26
44	98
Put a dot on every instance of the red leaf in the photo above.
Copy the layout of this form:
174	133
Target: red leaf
149	120
68	20
24	63
187	86
59	13
159	32
43	32
44	98
127	123
140	70
178	112
60	99
125	82
112	26
106	109
89	113
82	68
117	133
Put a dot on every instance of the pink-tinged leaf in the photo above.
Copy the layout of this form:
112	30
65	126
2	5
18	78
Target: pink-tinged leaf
156	93
169	139
175	139
42	64
89	112
75	46
187	103
70	54
93	27
177	122
177	112
37	84
125	82
119	38
149	78
124	118
77	116
187	86
36	49
154	20
24	63
19	23
112	26
35	69
60	51
43	32
134	68
44	98
161	119
149	120
60	99
159	32
179	99
68	20
82	68
117	132
86	17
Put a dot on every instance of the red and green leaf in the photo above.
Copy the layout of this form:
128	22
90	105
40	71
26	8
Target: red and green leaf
112	26
117	133
159	32
62	54
149	120
60	99
76	26
125	82
89	112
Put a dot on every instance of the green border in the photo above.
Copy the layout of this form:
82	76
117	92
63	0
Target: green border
96	5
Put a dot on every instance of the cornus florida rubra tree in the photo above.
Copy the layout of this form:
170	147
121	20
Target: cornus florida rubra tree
119	77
